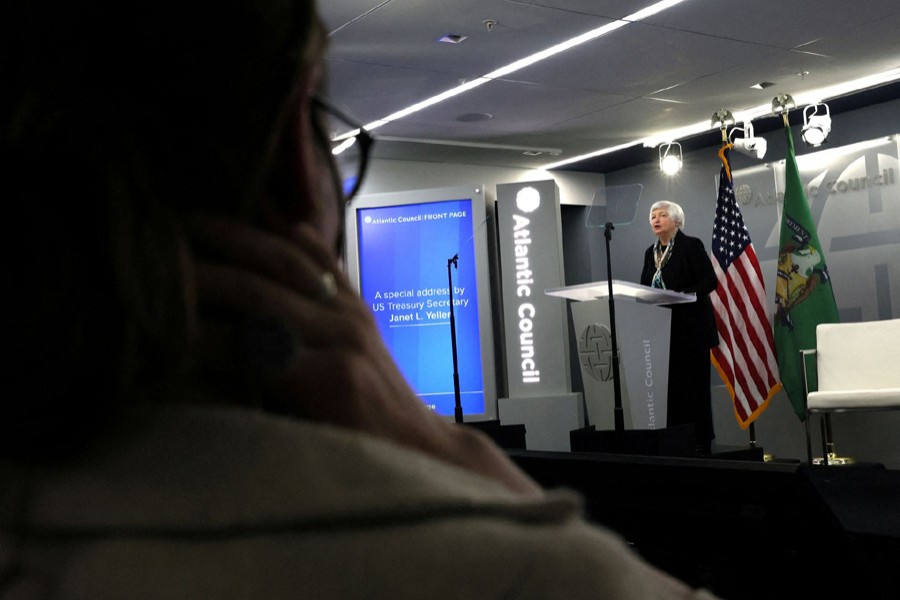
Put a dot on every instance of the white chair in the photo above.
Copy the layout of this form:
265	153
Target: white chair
858	370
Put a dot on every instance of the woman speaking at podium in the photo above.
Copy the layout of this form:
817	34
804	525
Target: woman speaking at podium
680	263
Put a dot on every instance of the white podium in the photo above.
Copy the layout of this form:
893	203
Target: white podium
642	336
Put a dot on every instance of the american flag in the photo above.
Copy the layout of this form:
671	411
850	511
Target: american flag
745	356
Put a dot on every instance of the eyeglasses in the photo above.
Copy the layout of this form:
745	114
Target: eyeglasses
350	146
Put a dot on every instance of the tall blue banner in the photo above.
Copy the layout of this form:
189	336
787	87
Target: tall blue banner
408	254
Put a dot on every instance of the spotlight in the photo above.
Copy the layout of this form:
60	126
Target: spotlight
816	125
670	158
750	145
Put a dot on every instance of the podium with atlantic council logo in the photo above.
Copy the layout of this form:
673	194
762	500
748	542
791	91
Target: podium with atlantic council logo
642	334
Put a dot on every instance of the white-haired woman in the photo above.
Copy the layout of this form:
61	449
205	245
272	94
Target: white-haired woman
680	263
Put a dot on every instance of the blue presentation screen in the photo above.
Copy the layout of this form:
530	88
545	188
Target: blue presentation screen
403	272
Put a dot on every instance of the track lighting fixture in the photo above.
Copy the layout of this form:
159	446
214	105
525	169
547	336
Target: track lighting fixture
670	157
750	145
816	124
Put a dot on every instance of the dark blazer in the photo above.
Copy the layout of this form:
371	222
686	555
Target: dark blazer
688	270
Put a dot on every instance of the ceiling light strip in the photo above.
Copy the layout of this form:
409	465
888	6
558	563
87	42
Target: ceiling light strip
594	154
527	61
485	145
652	10
554	50
427	102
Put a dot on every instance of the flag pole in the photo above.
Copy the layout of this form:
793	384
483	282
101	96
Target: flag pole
829	456
723	127
722	117
824	305
745	355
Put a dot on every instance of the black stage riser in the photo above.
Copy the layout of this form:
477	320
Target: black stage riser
743	529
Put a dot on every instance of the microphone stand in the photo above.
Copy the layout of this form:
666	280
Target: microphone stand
457	412
618	415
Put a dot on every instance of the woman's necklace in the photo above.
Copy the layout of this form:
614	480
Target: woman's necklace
661	255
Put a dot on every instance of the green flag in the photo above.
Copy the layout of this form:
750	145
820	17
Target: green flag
803	293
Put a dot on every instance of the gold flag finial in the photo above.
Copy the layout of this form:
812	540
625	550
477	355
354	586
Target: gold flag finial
781	104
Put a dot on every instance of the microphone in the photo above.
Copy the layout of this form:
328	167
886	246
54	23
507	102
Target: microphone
458	411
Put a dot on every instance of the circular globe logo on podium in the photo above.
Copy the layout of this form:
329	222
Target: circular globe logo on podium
595	350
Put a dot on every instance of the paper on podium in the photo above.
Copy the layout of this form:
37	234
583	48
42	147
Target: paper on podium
600	289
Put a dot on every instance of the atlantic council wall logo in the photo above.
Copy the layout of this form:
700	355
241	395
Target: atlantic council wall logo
595	350
801	269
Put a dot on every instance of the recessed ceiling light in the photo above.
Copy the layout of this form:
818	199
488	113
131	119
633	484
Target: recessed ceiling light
453	38
762	85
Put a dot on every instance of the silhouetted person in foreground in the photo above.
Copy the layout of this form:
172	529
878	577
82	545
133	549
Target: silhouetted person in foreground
196	404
